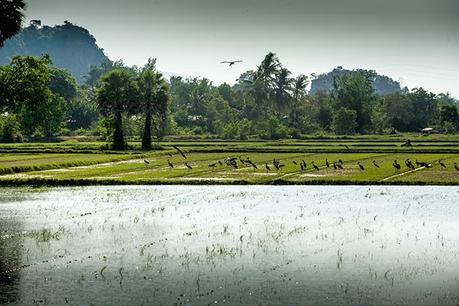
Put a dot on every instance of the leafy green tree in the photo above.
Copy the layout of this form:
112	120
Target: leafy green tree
354	91
345	121
11	16
82	111
449	113
26	92
424	106
117	95
399	112
63	84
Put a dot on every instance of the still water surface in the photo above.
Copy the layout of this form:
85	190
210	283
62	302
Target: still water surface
250	245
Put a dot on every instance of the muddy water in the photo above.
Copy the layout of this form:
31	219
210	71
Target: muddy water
250	245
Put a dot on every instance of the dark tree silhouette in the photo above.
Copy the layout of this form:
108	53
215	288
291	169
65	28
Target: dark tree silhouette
153	98
11	15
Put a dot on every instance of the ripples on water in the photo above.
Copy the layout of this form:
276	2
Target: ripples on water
200	245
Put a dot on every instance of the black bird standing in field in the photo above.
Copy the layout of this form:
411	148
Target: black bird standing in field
276	163
188	166
213	165
423	164
375	164
442	164
335	166
180	151
396	165
294	162
146	161
267	167
231	63
340	161
361	166
304	164
252	163
456	167
315	166
170	164
409	164
327	163
340	166
220	162
302	167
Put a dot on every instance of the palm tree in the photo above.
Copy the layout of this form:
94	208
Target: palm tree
283	87
11	15
267	69
259	84
298	94
153	98
299	87
115	96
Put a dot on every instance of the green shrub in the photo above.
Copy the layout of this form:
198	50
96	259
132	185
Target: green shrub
10	129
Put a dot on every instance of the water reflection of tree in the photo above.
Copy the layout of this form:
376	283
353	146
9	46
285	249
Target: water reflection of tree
10	259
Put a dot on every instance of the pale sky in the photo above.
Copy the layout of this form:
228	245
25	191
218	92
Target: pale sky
416	41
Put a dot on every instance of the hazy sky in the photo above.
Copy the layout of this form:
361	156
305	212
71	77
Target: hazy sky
415	41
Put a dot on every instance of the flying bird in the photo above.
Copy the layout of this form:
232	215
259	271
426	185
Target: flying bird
180	151
231	63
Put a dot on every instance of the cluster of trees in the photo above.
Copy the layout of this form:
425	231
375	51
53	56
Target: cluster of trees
37	99
269	103
33	97
135	92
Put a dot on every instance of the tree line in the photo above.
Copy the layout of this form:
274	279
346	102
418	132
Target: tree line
42	101
115	101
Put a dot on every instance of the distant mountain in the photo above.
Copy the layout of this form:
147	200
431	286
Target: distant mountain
70	47
382	84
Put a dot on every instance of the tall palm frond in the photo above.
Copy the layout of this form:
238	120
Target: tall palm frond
11	16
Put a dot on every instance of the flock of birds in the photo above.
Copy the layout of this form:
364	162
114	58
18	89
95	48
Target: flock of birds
337	165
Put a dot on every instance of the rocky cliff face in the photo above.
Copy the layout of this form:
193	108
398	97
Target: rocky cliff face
382	84
70	47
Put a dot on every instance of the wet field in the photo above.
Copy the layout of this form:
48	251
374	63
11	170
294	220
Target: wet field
249	245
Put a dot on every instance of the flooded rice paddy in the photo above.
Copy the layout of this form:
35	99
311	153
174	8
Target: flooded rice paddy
249	245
